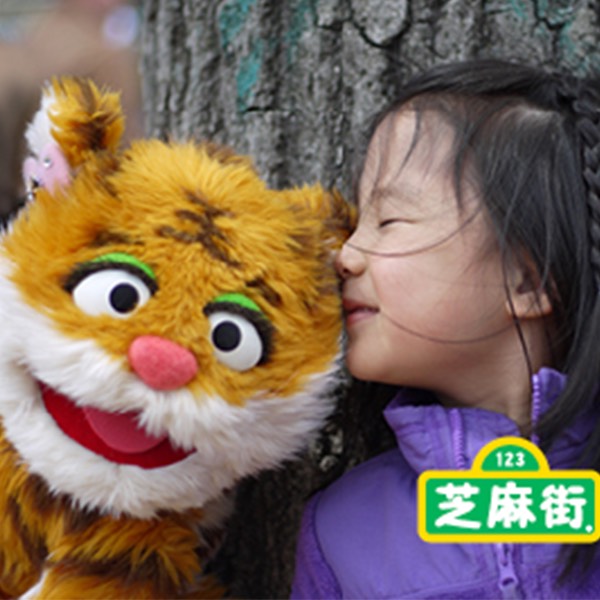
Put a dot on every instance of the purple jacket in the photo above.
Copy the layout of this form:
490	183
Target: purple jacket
358	538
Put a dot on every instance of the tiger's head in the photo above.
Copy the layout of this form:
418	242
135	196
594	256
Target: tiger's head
169	323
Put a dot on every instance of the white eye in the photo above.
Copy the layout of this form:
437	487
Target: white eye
237	342
111	292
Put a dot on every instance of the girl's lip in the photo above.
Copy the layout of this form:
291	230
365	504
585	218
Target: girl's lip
355	311
354	305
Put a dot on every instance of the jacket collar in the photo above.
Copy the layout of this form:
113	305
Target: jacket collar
431	436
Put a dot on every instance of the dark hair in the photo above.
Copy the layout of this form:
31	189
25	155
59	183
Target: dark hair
532	139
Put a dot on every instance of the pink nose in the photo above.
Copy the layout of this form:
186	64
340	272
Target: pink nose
160	363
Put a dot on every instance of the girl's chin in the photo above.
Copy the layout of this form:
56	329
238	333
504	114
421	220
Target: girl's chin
359	365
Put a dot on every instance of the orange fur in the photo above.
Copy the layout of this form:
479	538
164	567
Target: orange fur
152	558
87	119
157	558
204	224
89	210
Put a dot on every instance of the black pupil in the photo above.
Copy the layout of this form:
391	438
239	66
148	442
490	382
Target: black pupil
124	297
226	336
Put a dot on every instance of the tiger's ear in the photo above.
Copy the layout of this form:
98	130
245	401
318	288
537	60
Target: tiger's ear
328	212
75	120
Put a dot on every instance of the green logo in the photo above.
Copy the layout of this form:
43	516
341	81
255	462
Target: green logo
509	495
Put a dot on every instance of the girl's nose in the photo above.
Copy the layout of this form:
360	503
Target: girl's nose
161	363
349	261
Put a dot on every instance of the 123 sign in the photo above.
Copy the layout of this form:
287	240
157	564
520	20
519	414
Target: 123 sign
509	495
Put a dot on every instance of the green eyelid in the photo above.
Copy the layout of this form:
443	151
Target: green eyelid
127	259
239	299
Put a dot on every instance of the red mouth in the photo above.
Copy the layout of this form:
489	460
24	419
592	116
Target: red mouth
115	436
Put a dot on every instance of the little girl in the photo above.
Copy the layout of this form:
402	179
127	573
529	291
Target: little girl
472	283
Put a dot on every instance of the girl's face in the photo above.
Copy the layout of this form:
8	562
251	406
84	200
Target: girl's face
423	290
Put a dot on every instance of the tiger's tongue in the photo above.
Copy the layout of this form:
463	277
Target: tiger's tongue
121	431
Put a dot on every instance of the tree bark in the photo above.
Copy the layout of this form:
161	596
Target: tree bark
295	84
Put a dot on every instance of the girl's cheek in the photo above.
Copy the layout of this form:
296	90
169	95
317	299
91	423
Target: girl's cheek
388	274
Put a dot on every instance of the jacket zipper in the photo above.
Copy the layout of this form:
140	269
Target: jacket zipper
458	440
508	582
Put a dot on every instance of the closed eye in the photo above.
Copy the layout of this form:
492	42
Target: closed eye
387	222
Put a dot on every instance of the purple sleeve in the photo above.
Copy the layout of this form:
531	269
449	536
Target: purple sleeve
313	577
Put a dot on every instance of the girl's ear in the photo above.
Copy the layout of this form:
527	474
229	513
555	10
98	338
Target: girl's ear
528	299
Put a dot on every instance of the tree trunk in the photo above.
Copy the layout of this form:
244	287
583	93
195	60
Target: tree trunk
295	84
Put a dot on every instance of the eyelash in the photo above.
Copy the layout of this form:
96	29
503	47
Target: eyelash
260	322
85	269
387	222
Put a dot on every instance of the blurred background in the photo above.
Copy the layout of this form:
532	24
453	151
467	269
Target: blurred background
295	85
43	38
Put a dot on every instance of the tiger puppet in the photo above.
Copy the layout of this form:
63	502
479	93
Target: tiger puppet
170	325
